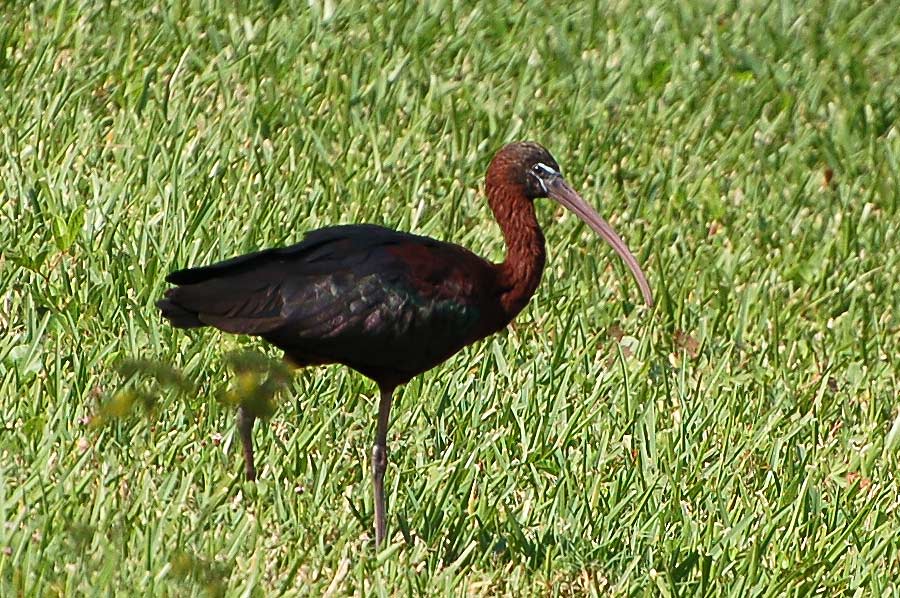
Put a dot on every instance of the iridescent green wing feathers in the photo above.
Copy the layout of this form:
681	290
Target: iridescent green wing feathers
342	292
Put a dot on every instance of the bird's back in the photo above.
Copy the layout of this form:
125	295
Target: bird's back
386	303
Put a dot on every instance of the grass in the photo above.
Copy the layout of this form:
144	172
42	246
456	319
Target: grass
741	439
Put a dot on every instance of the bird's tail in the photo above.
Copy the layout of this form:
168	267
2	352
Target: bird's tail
179	316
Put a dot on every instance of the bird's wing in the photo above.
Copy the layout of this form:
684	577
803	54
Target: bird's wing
347	288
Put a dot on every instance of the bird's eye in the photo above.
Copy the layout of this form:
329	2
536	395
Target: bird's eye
542	169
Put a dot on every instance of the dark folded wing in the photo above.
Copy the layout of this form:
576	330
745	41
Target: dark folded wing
345	293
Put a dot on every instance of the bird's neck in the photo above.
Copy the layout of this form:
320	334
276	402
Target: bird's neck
521	271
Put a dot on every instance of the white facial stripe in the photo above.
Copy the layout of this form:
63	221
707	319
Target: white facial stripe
545	168
539	171
538	179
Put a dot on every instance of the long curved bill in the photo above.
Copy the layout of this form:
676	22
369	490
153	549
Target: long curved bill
559	190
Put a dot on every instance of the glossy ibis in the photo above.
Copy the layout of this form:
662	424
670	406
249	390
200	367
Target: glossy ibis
387	304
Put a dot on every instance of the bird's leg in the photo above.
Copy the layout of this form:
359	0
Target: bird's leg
379	463
245	420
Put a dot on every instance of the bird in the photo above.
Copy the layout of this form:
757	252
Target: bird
387	304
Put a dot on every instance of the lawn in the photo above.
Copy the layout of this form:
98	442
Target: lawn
742	438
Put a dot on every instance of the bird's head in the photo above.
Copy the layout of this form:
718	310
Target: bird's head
525	166
527	169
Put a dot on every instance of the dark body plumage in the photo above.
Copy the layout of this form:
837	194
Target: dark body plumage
388	304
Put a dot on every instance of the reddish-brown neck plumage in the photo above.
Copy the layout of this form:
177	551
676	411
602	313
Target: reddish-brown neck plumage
520	272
